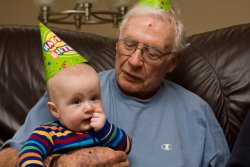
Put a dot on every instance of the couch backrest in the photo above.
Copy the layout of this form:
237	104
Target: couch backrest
215	66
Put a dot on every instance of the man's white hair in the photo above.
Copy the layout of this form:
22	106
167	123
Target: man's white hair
140	9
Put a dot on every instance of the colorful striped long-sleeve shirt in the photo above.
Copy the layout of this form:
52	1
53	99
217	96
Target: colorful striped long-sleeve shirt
54	138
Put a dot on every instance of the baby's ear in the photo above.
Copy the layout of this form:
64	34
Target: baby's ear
53	109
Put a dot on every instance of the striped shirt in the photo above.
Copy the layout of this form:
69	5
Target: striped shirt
54	138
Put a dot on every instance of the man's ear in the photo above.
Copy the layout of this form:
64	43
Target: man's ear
174	60
117	36
53	109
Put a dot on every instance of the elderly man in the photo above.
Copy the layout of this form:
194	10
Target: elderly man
169	125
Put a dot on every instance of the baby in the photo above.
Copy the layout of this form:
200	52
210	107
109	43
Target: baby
75	100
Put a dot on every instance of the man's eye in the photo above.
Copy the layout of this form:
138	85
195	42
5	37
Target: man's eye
129	45
153	56
153	53
76	101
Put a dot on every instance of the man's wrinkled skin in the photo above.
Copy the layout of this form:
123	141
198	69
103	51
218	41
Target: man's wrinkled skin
94	157
88	157
8	157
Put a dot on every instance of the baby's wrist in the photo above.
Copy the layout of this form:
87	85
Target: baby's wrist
97	129
103	131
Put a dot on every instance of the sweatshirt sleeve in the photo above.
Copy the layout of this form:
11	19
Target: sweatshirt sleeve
36	148
114	137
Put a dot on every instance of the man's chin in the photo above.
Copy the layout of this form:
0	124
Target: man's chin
128	87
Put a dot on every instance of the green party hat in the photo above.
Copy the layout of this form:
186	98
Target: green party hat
57	54
162	4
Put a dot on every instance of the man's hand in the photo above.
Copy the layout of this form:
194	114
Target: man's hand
8	157
94	157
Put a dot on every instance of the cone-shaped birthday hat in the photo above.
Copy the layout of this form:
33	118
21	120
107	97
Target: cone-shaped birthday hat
162	4
57	55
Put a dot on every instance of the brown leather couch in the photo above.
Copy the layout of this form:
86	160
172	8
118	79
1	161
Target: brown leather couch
216	66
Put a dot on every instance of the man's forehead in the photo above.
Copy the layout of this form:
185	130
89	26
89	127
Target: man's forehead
152	27
165	18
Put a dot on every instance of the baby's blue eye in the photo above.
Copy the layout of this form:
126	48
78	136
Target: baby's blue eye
76	101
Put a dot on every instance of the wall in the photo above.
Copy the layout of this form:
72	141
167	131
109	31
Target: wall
198	15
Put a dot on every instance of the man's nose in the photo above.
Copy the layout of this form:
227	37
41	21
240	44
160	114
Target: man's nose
136	58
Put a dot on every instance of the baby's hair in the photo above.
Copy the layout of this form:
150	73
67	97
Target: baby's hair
78	70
